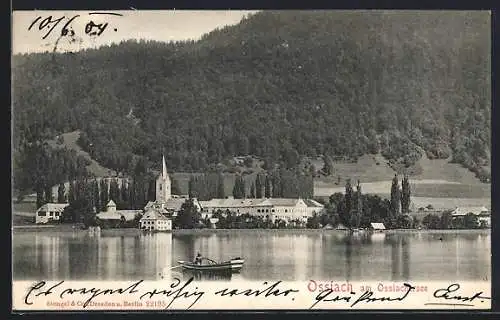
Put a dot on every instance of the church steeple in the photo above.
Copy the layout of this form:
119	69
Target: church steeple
164	173
163	184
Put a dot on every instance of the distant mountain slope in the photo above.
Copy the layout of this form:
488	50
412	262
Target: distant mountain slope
69	140
279	85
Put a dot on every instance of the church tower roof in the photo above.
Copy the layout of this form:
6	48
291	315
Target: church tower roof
164	173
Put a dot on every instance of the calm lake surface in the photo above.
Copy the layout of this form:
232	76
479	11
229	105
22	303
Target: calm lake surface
269	255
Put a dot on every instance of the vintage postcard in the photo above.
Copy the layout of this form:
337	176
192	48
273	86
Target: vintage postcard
225	160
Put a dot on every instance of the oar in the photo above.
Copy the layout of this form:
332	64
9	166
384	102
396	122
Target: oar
175	267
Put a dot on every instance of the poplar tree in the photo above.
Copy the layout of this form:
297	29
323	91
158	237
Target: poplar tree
356	215
405	195
49	198
40	201
61	193
267	187
277	181
395	197
96	195
191	183
252	191
104	196
151	189
243	188
348	200
113	190
221	194
131	195
239	191
71	192
125	195
258	186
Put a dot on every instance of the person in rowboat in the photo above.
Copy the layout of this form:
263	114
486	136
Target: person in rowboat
198	259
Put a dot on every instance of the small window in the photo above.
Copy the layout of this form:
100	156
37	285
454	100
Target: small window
160	187
267	210
272	210
286	210
51	214
42	213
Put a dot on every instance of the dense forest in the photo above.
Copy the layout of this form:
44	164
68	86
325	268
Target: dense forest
279	85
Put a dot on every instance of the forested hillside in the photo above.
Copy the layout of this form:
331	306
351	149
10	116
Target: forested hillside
279	85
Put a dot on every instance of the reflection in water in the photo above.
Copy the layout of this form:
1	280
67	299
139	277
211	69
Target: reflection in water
377	237
406	258
206	276
395	255
270	255
348	257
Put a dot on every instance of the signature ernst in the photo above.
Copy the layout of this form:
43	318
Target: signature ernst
451	294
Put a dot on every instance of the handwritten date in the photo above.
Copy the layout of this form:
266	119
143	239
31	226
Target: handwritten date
47	25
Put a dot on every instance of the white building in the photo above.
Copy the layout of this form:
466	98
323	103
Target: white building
50	212
286	209
152	220
483	214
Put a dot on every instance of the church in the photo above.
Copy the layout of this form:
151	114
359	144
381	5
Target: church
166	205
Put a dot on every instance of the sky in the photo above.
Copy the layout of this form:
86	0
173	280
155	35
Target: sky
159	25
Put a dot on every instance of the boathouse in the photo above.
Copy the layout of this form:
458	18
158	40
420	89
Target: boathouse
377	226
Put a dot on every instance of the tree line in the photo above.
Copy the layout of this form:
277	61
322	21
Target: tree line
280	183
38	167
353	209
88	196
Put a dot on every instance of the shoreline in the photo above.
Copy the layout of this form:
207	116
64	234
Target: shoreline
129	231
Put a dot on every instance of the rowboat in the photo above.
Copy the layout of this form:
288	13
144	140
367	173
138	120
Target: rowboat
209	265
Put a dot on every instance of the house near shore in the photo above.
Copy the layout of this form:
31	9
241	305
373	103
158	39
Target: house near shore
50	212
482	213
152	220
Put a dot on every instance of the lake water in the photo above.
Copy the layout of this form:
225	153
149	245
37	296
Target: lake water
269	255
